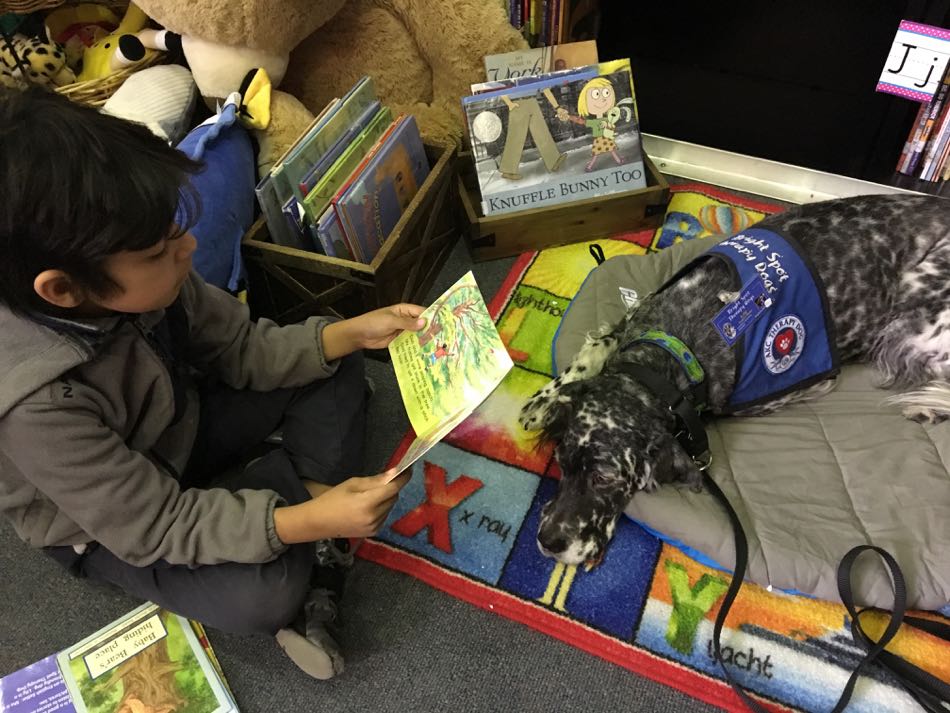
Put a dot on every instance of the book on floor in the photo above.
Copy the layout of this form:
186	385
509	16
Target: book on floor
147	660
449	367
556	138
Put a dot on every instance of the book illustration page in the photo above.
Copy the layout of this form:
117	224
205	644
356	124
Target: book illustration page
452	364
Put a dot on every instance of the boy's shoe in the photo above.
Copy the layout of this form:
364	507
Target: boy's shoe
307	641
331	563
315	653
334	554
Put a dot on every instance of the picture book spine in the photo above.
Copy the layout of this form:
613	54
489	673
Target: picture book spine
323	233
362	251
912	135
562	23
338	238
941	156
934	146
277	226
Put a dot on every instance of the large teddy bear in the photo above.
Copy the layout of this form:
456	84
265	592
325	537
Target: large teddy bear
422	55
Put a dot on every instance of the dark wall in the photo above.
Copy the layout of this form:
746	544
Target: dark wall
790	81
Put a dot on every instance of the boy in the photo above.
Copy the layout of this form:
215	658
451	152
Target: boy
131	394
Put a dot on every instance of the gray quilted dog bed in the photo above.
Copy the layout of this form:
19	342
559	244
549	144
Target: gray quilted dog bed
809	482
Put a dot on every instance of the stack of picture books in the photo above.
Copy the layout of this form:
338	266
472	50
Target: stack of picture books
567	135
926	153
342	187
148	660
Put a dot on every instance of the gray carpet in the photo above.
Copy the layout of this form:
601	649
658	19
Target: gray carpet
408	647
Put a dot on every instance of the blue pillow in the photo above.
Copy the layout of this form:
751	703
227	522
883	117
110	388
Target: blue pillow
226	187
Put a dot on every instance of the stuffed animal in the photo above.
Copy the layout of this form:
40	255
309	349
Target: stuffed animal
42	62
117	50
422	56
78	27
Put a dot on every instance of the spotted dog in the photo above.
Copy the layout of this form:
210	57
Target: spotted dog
884	265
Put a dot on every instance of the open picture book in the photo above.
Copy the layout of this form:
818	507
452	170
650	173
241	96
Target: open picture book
449	367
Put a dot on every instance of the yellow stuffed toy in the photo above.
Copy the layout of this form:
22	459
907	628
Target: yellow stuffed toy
39	62
120	49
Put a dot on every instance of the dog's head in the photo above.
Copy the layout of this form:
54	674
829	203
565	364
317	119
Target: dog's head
613	440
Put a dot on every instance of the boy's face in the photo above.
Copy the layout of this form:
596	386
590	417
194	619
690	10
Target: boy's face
148	279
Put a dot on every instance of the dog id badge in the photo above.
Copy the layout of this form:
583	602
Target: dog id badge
736	317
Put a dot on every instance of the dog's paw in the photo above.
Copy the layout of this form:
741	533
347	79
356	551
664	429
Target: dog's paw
535	411
923	414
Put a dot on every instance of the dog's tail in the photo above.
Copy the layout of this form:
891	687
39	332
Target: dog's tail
929	403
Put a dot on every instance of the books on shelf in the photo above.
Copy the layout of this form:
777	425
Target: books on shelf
556	138
925	153
554	22
344	184
149	659
449	367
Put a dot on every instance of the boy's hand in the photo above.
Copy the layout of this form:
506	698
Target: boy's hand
357	507
373	330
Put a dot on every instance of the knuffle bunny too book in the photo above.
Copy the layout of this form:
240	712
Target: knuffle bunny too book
573	136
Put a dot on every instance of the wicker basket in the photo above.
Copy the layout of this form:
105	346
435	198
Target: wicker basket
95	92
24	7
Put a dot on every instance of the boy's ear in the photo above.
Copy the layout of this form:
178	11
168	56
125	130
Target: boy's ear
57	288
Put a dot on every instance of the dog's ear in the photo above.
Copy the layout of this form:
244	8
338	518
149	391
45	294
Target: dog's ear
685	469
667	462
559	413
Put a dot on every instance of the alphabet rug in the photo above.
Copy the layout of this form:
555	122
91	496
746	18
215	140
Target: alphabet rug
466	524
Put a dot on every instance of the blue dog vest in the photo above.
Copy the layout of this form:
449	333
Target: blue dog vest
779	326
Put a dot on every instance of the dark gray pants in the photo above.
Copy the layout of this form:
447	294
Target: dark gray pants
323	429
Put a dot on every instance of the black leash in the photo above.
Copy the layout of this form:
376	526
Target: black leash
928	690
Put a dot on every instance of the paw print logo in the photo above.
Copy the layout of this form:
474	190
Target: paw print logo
784	343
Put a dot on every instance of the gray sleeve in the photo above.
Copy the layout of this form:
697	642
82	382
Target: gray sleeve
123	501
257	355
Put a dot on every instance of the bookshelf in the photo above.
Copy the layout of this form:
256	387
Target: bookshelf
789	82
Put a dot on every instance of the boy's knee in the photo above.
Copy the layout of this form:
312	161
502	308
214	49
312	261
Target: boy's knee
353	367
276	598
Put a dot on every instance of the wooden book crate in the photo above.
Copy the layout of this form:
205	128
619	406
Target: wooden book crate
287	284
589	219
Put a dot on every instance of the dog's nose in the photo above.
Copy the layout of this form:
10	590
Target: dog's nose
553	543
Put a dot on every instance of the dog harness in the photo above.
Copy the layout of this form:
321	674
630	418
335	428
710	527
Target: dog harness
779	323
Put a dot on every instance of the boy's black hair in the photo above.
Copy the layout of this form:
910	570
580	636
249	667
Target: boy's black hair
77	186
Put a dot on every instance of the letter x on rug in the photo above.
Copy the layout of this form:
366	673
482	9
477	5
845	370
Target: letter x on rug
466	524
